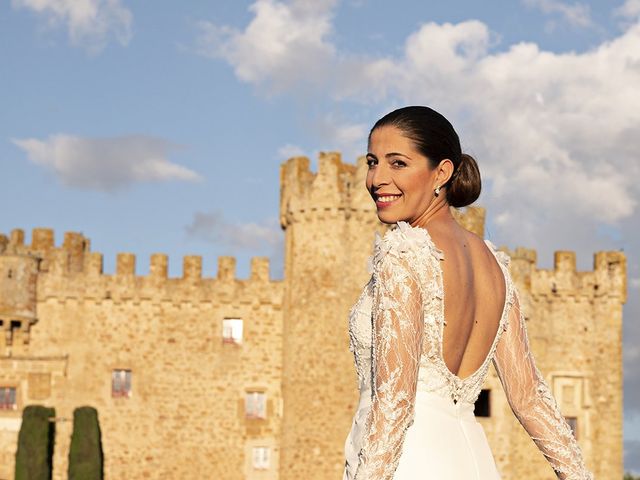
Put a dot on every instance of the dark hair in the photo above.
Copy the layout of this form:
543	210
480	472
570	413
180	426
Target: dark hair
435	138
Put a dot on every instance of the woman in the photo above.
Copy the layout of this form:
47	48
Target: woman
439	308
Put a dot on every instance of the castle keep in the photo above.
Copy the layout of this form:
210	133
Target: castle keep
216	377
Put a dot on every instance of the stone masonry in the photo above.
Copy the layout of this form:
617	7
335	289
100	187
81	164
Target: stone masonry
67	327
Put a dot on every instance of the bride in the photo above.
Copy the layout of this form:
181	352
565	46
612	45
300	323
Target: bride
439	308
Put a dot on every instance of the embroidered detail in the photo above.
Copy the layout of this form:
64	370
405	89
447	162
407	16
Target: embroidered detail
387	319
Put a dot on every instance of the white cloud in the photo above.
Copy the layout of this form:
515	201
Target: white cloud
577	14
290	38
341	135
630	9
213	227
288	151
105	163
557	130
89	23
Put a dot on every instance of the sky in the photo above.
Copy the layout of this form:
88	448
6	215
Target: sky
159	127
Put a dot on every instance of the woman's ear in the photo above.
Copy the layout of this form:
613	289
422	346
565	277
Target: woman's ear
445	170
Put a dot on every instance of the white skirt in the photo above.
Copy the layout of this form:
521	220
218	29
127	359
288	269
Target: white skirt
445	442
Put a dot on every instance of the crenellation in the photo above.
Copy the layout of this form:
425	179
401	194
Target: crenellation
4	241
564	277
76	244
16	239
226	268
192	267
42	239
611	269
522	264
328	189
260	269
125	264
564	261
159	266
607	278
93	264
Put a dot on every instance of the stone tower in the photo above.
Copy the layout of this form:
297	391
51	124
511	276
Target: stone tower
328	225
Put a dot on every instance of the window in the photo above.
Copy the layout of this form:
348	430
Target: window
483	404
254	405
573	423
8	398
121	383
260	458
232	330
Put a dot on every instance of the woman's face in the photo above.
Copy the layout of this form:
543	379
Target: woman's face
399	178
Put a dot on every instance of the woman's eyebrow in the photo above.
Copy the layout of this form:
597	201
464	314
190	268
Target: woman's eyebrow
393	154
389	155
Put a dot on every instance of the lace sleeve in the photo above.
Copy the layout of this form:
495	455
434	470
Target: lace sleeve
532	402
397	345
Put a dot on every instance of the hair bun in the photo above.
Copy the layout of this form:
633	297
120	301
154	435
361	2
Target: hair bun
465	185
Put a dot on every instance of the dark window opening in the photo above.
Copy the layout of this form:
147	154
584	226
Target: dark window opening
483	404
8	398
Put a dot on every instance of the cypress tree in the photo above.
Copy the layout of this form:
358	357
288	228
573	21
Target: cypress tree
85	453
34	458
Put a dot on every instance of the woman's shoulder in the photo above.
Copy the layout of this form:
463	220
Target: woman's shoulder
502	257
404	242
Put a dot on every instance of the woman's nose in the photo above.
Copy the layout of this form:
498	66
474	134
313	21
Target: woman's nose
380	176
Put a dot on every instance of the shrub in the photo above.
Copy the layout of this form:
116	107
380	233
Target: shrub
35	444
85	453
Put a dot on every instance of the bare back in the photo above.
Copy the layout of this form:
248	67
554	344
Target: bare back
474	298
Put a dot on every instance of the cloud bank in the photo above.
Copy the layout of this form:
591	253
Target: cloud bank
561	130
90	24
105	164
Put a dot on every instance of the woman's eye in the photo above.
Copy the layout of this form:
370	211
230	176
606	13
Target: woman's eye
399	163
371	162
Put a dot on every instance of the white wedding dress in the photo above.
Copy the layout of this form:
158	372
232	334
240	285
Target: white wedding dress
415	418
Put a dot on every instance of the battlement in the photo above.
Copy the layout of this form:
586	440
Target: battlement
336	189
608	277
71	270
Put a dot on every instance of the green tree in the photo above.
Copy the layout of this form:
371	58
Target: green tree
35	444
85	453
629	476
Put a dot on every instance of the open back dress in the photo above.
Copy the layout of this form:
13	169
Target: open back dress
415	418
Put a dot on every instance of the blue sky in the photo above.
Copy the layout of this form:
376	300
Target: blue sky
161	127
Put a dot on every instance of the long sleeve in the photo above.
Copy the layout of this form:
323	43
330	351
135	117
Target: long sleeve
398	330
532	402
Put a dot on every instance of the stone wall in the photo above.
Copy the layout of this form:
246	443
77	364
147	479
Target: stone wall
185	417
66	326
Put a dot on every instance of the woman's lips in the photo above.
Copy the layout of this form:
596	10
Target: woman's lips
383	201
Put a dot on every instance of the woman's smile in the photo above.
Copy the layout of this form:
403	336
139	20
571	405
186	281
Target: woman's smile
386	199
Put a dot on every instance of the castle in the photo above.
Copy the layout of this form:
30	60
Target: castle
226	378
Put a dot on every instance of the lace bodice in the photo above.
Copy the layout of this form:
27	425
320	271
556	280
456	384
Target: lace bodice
396	329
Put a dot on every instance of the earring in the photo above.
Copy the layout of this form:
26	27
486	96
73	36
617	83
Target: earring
437	190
